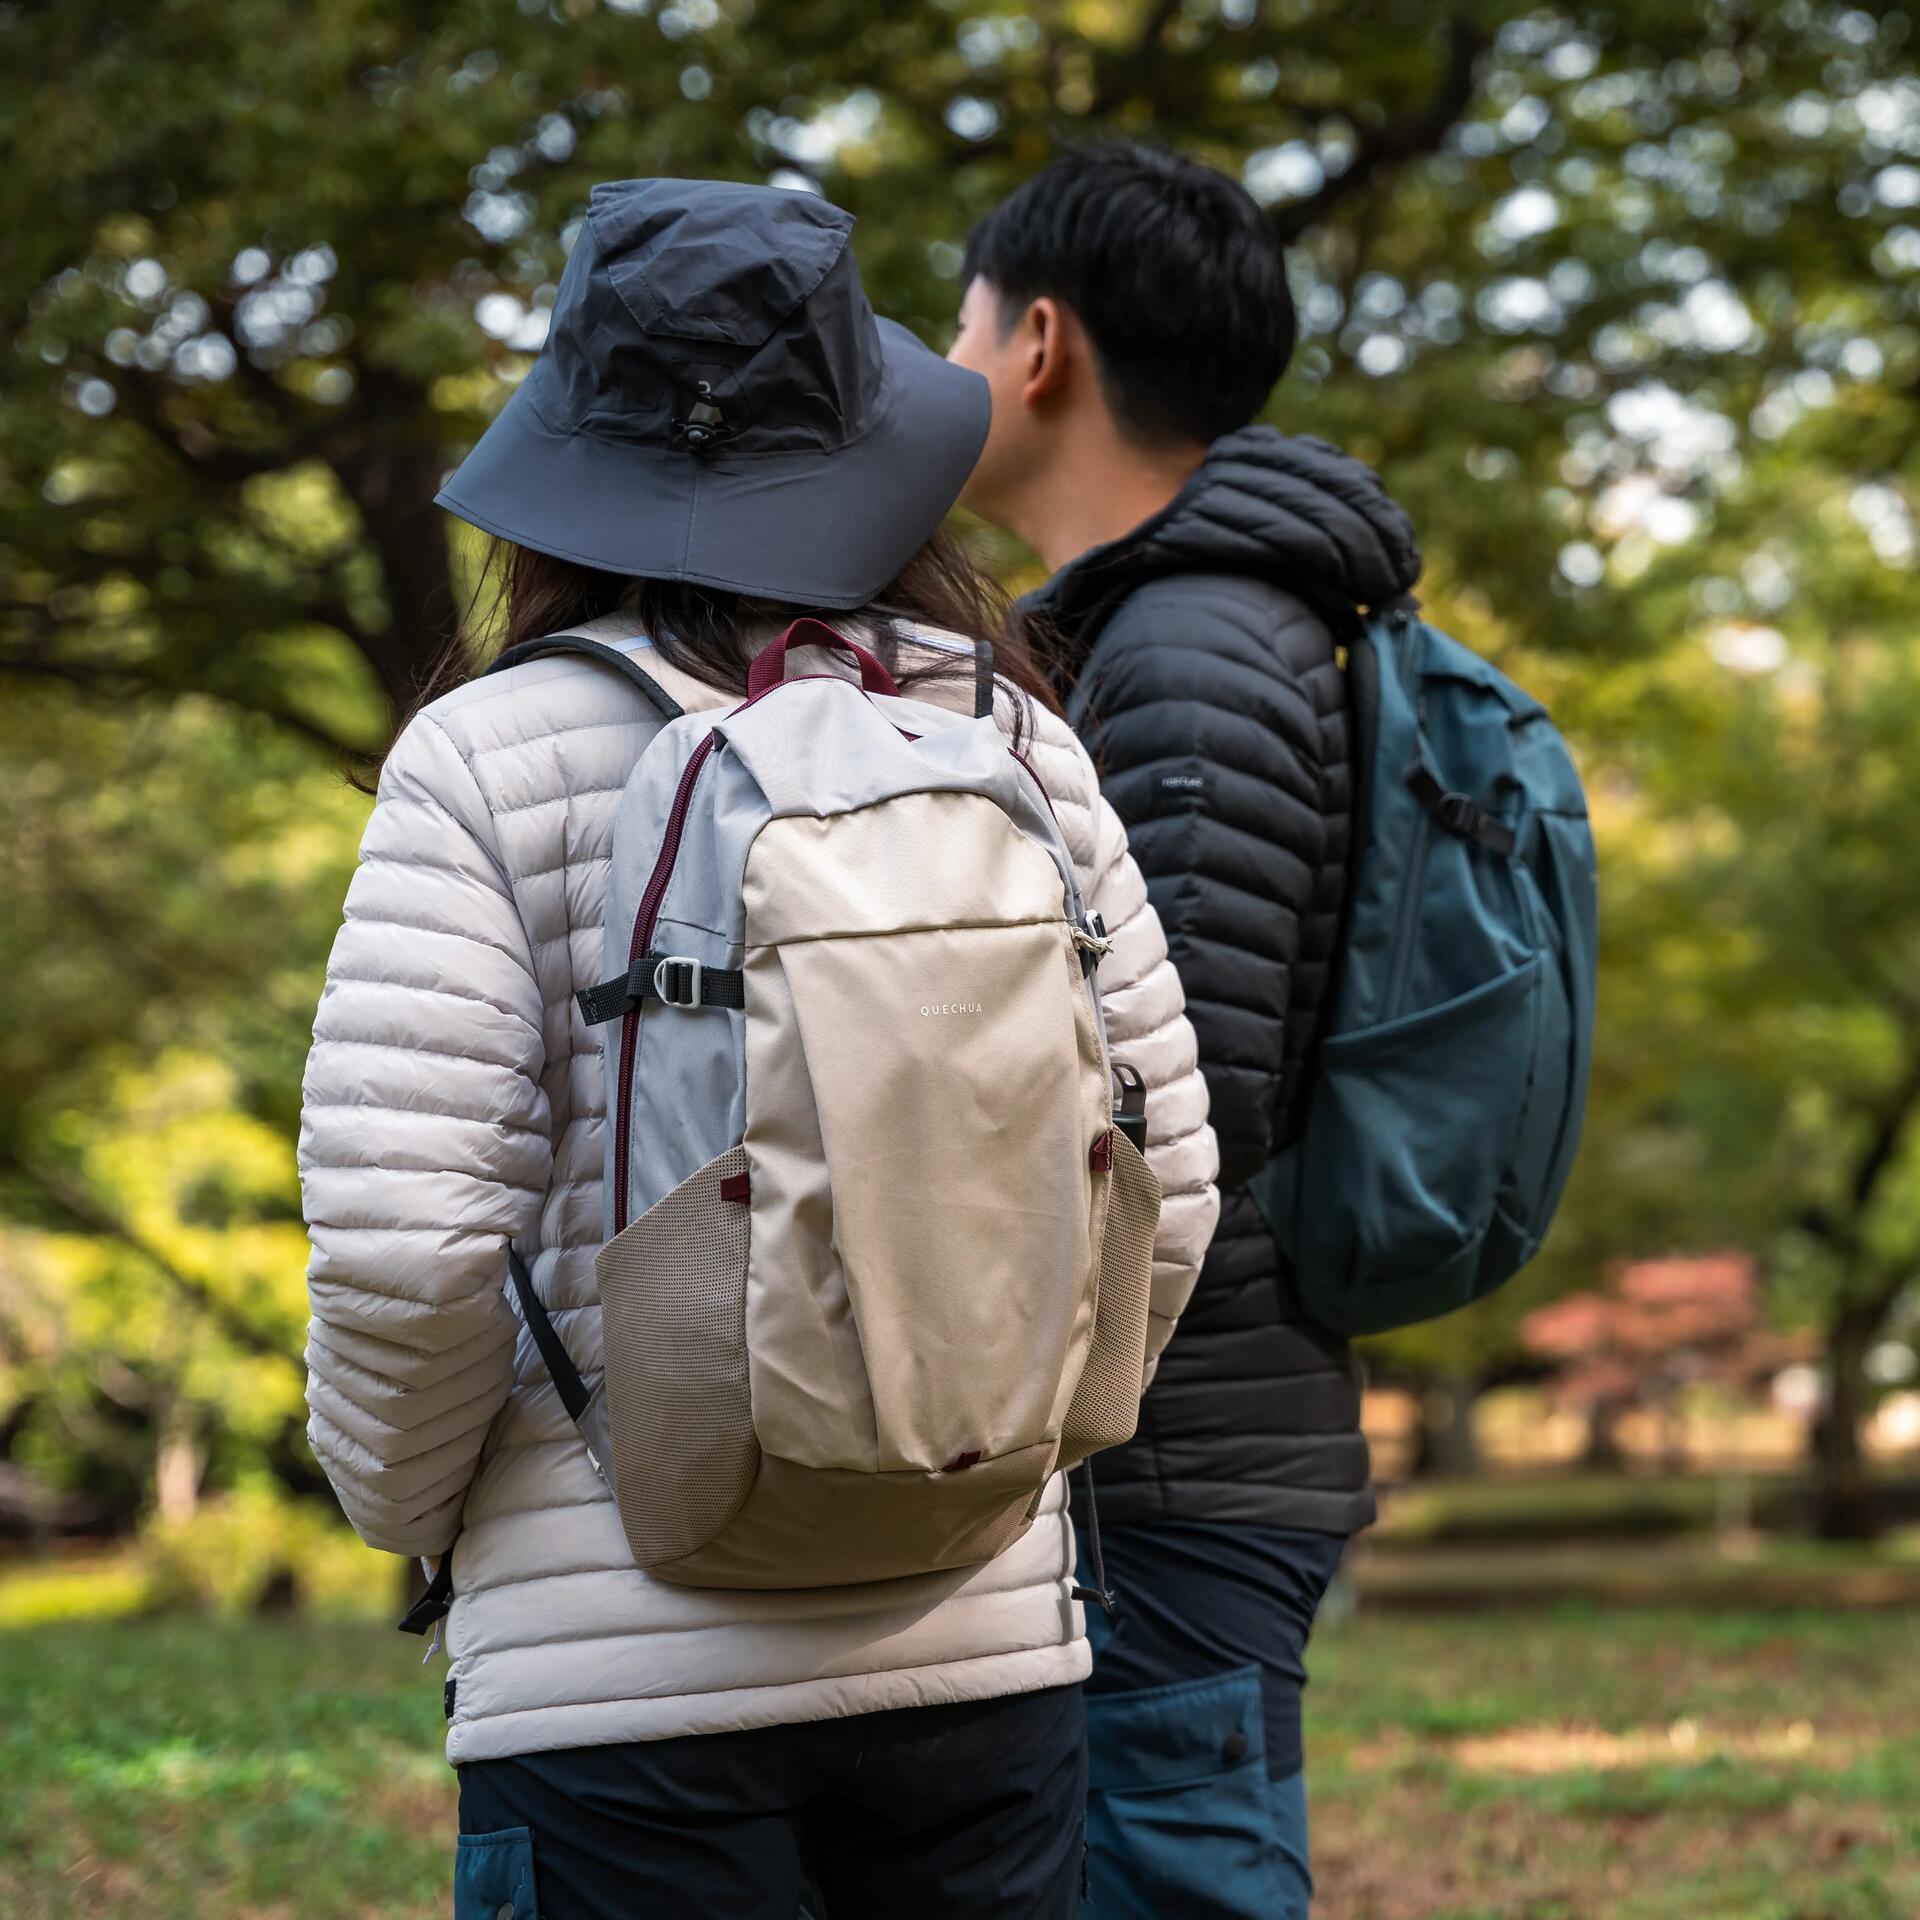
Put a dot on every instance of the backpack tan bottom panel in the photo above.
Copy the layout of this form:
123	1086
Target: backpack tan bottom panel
673	1291
1106	1403
834	1526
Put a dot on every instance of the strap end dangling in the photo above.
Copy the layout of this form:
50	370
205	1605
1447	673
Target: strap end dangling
1099	1593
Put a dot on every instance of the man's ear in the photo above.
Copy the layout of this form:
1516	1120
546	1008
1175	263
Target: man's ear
1051	344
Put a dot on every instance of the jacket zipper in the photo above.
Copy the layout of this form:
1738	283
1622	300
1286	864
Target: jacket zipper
644	922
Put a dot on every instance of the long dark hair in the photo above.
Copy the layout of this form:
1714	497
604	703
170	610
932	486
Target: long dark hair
711	634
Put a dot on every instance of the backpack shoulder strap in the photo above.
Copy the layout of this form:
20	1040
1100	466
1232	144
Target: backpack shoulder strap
650	689
1363	734
587	1410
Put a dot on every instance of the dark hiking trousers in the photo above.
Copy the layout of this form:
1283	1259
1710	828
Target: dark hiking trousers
1196	1805
974	1811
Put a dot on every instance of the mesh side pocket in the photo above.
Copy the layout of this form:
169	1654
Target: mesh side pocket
1106	1404
673	1293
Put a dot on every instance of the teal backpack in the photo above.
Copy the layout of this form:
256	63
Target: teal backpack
1443	1108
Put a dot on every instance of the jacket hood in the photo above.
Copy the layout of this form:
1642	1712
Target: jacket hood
1289	509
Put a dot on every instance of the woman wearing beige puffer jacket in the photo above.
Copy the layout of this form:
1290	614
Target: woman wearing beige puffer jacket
627	1745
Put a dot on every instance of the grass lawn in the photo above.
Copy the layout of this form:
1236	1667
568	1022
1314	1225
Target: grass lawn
1632	1765
1526	1766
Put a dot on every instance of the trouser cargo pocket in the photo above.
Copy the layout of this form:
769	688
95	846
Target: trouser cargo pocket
1179	1816
493	1876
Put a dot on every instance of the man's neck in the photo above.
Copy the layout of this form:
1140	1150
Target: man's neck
1094	493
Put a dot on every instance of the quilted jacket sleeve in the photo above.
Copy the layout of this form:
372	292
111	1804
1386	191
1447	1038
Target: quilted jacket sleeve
424	1147
1148	1029
1208	748
1146	1023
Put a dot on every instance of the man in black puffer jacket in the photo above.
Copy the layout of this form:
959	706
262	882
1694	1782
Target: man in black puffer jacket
1130	310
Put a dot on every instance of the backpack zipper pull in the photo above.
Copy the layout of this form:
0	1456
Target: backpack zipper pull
432	1571
1092	940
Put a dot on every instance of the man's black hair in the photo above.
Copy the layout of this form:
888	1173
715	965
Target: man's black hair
1174	270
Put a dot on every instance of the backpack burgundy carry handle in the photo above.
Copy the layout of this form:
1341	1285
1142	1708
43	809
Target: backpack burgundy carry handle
770	667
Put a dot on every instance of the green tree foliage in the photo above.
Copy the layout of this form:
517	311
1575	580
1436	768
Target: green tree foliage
172	878
1620	297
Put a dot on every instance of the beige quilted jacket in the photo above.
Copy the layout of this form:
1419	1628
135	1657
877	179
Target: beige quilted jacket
454	1101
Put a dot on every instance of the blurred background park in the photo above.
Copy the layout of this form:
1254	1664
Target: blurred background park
1622	299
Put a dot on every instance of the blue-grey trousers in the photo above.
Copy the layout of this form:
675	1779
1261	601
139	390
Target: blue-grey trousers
1196	1800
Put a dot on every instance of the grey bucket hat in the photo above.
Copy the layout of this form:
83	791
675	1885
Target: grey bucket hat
716	403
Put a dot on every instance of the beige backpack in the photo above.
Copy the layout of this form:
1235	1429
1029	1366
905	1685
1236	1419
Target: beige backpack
878	1246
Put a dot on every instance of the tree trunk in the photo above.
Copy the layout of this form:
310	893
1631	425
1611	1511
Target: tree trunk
1846	1505
1602	1453
394	487
1673	1430
177	1466
1446	1428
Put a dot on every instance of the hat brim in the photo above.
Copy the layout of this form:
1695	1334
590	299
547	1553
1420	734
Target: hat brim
814	528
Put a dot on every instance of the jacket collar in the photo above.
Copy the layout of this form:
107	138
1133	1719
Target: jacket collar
952	691
1292	510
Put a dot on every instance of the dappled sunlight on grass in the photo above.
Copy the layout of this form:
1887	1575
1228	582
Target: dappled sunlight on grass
1551	1749
104	1588
238	1552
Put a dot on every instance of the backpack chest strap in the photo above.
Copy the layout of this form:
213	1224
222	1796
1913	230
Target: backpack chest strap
672	979
1458	814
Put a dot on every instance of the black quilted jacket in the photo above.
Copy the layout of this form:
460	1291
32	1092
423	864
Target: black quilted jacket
1198	665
